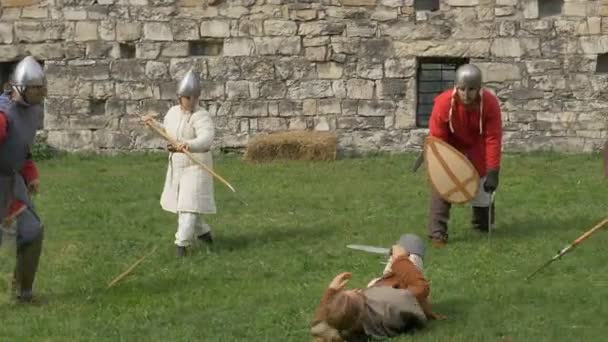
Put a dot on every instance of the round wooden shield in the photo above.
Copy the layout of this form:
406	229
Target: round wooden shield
450	173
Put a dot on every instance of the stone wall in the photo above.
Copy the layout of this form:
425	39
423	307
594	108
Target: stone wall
343	65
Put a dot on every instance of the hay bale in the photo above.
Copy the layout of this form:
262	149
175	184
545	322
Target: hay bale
292	145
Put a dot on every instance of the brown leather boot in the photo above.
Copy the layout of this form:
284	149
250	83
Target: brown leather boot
438	242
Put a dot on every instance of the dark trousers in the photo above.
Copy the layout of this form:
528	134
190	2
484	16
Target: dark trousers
28	256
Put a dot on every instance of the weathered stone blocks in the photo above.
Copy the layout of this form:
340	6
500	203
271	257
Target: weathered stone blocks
345	65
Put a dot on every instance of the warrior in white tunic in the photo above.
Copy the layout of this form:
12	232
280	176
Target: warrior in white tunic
188	189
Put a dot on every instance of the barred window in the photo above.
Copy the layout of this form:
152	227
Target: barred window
435	74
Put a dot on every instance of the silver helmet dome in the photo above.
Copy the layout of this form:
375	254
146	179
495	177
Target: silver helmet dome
190	85
468	75
29	73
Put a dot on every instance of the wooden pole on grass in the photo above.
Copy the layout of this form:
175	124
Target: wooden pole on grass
131	268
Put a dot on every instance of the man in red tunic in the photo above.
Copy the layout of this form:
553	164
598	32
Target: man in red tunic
468	118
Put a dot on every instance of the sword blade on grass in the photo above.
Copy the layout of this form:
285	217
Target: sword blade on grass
370	249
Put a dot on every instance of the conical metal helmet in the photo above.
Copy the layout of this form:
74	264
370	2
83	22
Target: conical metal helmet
29	73
190	85
468	75
412	243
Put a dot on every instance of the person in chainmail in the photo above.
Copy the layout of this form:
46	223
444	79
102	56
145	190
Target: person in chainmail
21	110
188	189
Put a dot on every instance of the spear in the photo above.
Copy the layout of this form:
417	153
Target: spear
162	132
570	247
128	270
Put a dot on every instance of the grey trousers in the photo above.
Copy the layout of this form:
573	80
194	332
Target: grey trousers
439	216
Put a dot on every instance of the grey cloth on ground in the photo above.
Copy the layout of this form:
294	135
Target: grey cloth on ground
390	312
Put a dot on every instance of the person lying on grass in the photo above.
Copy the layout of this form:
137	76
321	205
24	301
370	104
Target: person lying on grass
393	304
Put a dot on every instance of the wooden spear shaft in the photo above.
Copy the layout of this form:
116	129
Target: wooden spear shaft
131	268
174	142
570	246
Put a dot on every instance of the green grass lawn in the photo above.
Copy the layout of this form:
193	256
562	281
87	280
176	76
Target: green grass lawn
273	258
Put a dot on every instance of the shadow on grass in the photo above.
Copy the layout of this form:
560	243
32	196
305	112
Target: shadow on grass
255	239
448	304
456	309
538	226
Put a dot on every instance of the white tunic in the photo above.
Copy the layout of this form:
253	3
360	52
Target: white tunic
188	187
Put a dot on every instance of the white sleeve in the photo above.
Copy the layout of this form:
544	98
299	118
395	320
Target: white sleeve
205	132
165	122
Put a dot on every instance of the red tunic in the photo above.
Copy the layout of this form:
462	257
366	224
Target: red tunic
483	149
29	172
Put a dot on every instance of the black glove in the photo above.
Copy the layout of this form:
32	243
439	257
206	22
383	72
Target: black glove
491	181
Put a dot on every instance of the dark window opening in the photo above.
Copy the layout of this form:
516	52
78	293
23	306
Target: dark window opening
97	106
426	5
6	71
601	65
75	3
206	47
127	50
547	8
435	74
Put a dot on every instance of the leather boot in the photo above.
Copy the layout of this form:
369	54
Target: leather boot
479	219
439	215
181	251
206	238
28	256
